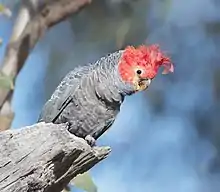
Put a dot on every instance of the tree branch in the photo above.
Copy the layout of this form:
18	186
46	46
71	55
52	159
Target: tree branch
44	157
27	31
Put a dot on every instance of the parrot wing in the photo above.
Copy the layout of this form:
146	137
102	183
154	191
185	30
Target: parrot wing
60	109
61	98
102	129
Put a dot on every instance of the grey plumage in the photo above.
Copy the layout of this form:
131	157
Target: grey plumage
88	98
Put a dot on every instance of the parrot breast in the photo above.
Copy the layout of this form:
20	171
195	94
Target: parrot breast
88	98
88	113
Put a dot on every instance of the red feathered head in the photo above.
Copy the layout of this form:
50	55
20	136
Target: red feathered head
143	62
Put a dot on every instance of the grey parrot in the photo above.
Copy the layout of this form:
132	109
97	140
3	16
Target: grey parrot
89	97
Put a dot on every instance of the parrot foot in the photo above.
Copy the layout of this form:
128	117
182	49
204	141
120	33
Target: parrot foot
90	140
68	126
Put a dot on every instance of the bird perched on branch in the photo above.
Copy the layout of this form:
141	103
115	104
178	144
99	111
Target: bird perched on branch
89	97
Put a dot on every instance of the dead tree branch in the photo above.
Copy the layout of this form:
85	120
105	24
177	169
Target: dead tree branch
44	158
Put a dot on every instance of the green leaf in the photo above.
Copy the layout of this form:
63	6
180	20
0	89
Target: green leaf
6	82
85	182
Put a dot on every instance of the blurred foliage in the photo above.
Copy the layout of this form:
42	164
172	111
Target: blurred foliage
85	182
82	181
115	25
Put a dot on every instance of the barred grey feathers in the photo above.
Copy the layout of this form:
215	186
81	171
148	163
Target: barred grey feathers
88	98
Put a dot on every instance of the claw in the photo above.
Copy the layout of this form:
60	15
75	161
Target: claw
68	125
90	140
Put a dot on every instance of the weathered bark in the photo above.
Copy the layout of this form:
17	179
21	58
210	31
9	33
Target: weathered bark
44	157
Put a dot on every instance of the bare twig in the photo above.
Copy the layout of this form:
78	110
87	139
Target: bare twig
44	157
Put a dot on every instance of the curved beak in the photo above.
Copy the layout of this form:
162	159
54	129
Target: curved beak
143	84
148	82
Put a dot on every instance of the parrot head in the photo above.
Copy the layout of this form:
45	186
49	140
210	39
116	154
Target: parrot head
138	66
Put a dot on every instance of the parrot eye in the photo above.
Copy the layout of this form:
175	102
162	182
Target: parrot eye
139	71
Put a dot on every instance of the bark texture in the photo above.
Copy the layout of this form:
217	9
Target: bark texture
44	157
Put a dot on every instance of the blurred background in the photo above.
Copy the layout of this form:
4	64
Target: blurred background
166	139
